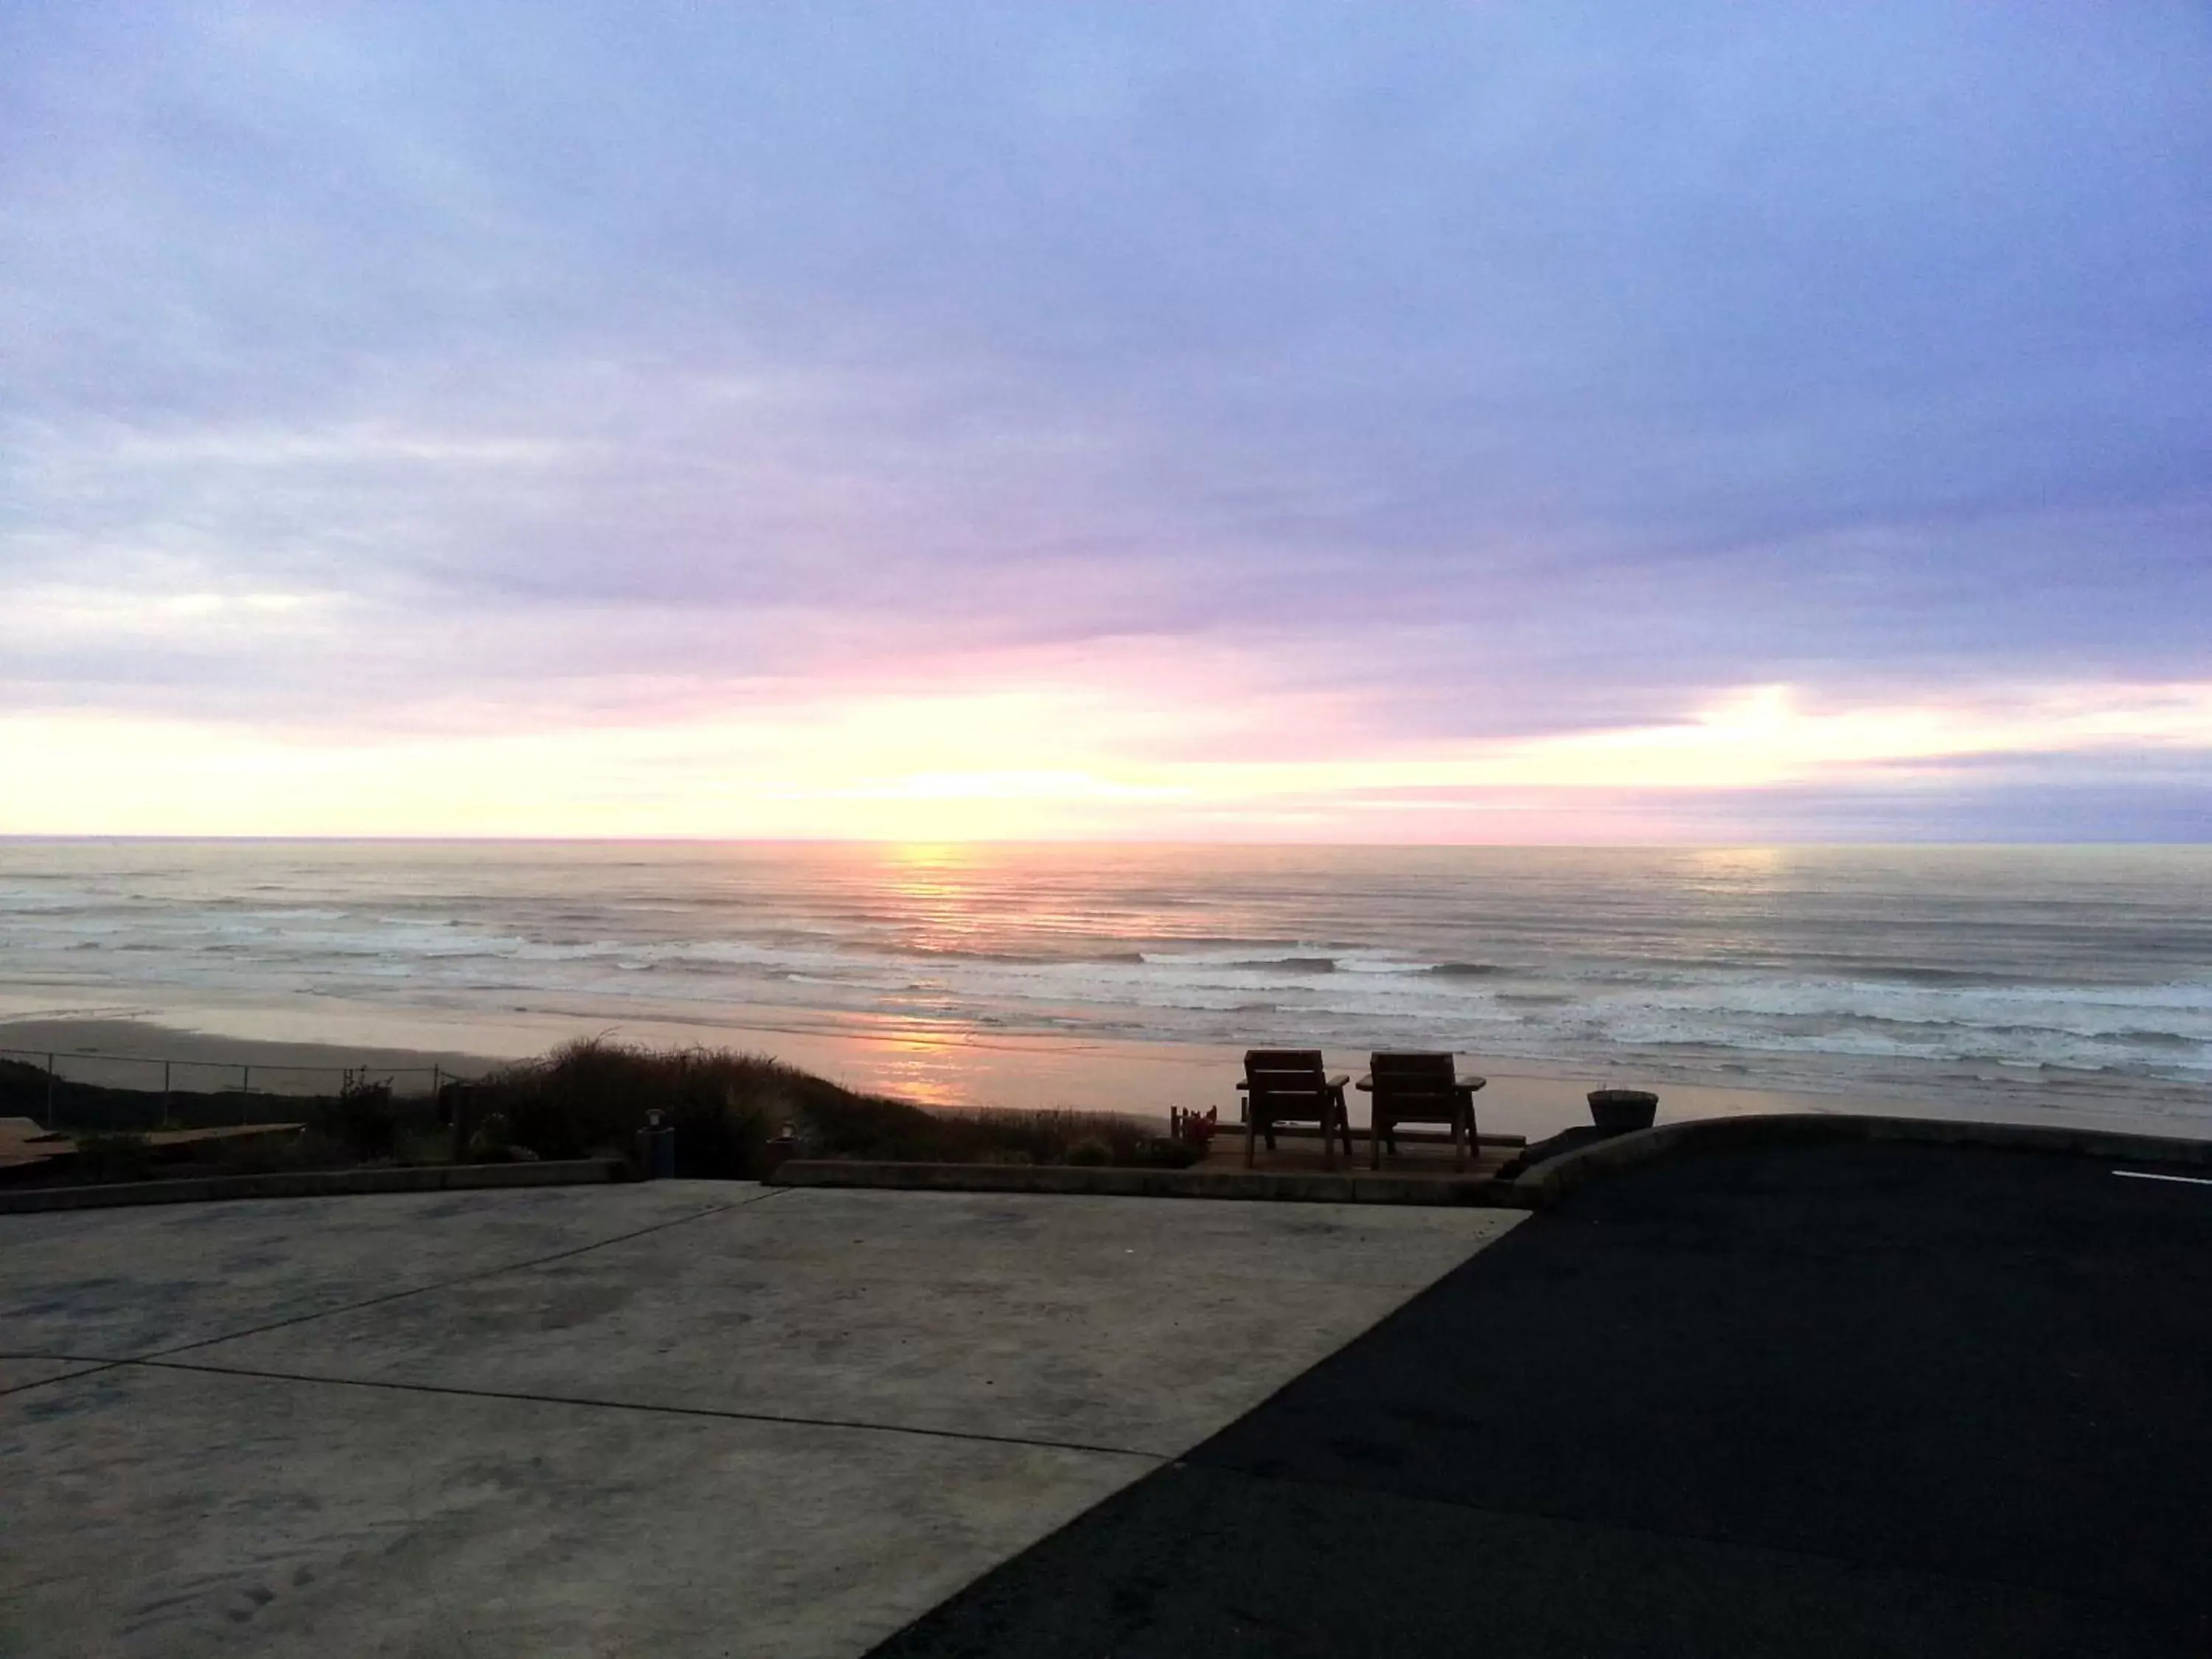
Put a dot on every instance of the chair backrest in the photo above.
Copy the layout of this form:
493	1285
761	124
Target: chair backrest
1407	1081
1286	1079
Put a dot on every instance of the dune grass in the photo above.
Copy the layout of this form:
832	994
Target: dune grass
590	1096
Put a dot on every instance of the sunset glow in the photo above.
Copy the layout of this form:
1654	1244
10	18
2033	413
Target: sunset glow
1474	423
919	770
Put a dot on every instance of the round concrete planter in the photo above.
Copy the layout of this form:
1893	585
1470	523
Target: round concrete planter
1617	1111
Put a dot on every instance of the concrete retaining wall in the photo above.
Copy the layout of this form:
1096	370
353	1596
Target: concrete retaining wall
1286	1186
1534	1189
315	1184
1550	1181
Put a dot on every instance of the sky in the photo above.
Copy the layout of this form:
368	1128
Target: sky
1470	422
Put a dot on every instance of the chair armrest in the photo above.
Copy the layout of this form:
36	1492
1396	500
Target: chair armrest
1468	1084
1366	1082
1339	1082
1242	1086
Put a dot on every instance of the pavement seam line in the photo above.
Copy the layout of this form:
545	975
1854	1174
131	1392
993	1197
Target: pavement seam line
711	1412
461	1279
92	1368
107	1363
1851	1564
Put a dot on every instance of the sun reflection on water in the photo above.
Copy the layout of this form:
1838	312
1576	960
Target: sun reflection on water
940	895
1752	866
919	1065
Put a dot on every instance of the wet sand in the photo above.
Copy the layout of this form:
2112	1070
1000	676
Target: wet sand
301	1049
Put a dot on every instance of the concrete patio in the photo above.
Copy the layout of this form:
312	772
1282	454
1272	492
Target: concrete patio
684	1417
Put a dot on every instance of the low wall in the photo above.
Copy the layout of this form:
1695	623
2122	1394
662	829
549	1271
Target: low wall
308	1183
1309	1187
1546	1183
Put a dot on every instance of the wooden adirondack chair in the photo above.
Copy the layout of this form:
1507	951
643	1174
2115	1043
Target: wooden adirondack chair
1289	1085
1419	1089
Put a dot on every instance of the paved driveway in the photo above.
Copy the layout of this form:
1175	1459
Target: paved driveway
679	1418
1844	1402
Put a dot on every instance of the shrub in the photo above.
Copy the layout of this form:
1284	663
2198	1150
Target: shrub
493	1142
1090	1153
991	1135
126	1155
309	1149
591	1097
1165	1153
363	1119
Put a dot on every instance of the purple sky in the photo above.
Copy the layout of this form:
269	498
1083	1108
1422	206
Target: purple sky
1367	421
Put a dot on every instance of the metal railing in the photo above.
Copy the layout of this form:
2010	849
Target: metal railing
171	1077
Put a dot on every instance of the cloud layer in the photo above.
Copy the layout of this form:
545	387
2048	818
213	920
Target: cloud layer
1339	390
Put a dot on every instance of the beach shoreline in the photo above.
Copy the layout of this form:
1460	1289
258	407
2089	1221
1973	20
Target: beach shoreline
300	1049
2052	986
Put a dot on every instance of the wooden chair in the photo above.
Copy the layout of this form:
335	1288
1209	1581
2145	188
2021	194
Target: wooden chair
1419	1089
1288	1085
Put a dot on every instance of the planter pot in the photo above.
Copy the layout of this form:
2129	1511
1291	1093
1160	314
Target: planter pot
1616	1111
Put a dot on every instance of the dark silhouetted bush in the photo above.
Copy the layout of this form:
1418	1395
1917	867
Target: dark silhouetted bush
363	1119
590	1099
120	1157
1165	1153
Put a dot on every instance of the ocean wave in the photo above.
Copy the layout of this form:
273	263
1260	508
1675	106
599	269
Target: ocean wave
1843	967
961	953
1902	973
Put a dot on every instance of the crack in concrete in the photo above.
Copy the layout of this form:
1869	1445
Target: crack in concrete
106	1362
717	1412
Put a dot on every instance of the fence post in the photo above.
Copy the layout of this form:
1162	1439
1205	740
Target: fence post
244	1087
165	1094
50	1094
465	1119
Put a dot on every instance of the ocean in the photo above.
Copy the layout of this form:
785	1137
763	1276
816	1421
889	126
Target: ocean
2063	977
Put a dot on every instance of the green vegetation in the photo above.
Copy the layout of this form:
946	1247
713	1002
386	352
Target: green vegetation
585	1099
592	1097
112	1158
92	1107
364	1120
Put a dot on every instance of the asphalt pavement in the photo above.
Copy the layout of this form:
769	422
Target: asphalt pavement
1838	1400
